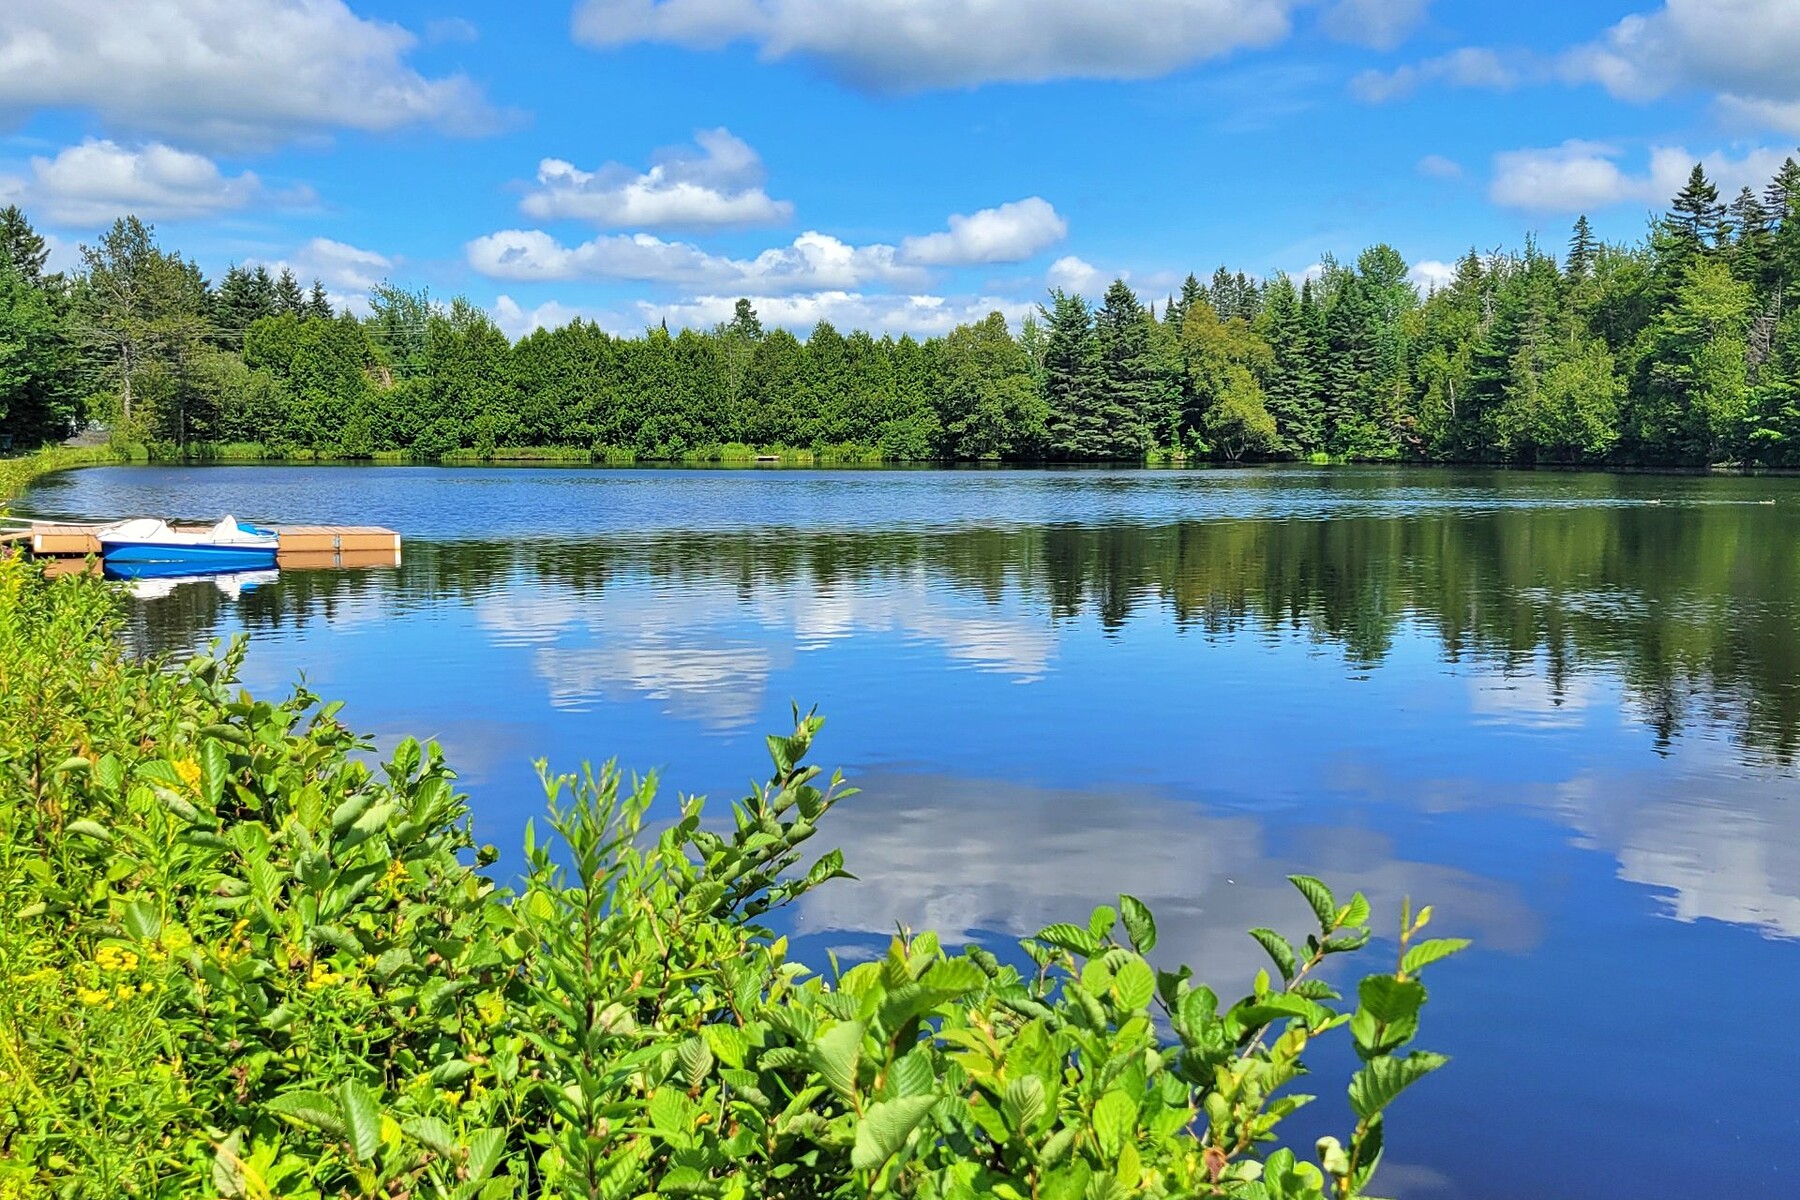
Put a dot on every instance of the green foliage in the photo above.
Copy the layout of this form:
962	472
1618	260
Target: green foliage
1677	350
242	962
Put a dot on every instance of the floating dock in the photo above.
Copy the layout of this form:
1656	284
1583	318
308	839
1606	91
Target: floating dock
300	548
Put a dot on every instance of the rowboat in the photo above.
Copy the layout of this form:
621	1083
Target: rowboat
147	548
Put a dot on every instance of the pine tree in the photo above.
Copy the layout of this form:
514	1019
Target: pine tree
318	304
1292	385
1582	249
1750	250
1191	293
22	249
1127	371
289	299
1782	202
1696	218
1073	388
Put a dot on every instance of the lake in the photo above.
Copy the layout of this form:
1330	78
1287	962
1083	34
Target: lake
1563	708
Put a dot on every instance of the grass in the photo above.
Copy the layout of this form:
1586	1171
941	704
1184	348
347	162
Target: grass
16	474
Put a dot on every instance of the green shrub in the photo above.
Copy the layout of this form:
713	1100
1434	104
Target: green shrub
241	962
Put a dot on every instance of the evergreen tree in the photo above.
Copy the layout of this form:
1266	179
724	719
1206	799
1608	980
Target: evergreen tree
1133	391
22	248
1074	390
1291	379
1696	219
290	300
1582	249
1753	233
244	297
318	304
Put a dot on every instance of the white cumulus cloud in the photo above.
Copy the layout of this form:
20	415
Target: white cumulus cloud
812	261
98	180
1436	166
1579	176
223	71
1471	66
1430	274
715	183
905	45
1076	275
1379	24
920	315
348	272
1010	233
515	320
1745	52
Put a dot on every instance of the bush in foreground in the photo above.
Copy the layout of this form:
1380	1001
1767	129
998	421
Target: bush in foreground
238	962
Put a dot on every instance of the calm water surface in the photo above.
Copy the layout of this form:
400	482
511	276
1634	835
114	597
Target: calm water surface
1563	708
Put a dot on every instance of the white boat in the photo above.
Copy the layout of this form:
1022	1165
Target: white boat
145	547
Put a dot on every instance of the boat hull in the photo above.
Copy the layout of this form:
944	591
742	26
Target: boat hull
156	560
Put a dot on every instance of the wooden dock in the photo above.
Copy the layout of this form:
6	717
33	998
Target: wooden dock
300	548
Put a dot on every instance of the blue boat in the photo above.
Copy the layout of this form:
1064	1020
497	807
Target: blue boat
146	548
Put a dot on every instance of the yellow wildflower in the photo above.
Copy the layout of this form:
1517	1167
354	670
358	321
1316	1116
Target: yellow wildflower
116	959
89	995
189	772
323	977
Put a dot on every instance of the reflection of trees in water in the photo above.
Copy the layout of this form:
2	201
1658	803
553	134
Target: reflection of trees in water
1694	607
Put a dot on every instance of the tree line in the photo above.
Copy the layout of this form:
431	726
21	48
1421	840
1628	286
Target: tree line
1679	349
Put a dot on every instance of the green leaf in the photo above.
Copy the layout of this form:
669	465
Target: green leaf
1389	1000
1356	912
362	1120
672	1116
1135	983
1374	1087
228	1167
141	920
485	1147
89	829
1102	922
835	1053
368	825
1023	1103
1140	925
1319	896
1072	938
884	1128
1427	952
451	1072
315	1109
1280	950
434	1134
215	770
696	1060
729	1043
912	1074
1115	1116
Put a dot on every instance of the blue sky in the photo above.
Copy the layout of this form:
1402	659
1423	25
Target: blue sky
892	164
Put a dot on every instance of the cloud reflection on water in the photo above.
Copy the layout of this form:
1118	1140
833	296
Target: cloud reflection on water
976	858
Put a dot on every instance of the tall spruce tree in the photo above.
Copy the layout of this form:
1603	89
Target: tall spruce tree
1583	249
290	300
1136	400
22	248
1074	391
318	304
1696	218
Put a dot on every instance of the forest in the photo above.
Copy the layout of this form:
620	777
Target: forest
1679	349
